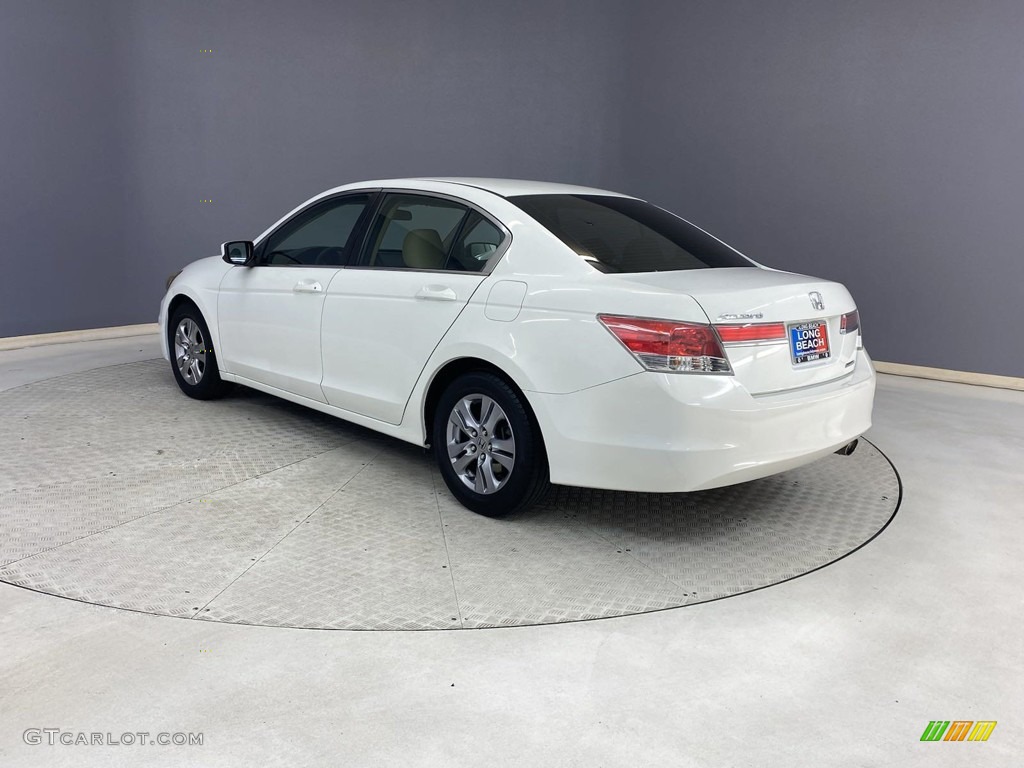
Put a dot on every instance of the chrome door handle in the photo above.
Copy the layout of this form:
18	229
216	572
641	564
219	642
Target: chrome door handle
308	286
437	293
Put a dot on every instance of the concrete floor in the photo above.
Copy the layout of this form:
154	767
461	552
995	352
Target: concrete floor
845	666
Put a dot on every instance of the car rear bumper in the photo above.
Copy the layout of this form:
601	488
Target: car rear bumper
675	432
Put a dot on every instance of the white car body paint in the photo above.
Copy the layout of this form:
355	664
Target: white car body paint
365	344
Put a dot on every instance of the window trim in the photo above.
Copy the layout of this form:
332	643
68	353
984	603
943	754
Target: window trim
382	194
356	236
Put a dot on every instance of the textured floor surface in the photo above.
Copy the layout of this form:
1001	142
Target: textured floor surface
118	490
842	667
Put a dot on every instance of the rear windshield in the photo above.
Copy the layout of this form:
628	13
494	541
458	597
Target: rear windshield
621	234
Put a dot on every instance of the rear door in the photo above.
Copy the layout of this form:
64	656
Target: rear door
424	257
269	314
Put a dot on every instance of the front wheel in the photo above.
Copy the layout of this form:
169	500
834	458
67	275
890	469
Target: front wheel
192	357
488	448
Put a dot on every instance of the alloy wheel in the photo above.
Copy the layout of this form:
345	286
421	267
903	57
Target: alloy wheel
190	351
481	445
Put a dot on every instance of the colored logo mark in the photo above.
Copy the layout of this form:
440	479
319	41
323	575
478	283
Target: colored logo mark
958	730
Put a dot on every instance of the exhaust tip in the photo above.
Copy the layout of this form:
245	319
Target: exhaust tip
849	448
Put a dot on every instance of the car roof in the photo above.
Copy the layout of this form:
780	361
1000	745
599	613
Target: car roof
462	185
513	187
468	188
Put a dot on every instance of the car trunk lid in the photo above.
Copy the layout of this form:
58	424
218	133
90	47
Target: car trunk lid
781	331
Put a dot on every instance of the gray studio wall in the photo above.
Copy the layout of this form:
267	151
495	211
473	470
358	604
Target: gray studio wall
296	97
877	143
61	168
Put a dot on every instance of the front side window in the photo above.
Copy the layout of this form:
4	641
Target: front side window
422	232
622	234
319	236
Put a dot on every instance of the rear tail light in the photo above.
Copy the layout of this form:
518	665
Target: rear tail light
669	346
850	322
751	333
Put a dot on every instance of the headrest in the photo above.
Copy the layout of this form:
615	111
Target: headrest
422	249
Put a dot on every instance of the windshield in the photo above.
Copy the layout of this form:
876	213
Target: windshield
622	234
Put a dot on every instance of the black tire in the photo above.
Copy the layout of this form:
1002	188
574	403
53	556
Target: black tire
207	384
517	488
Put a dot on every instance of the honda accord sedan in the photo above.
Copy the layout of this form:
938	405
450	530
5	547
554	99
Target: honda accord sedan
529	333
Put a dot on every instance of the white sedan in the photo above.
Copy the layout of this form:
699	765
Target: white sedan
530	333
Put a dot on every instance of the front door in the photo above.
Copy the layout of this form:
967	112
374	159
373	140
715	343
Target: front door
269	314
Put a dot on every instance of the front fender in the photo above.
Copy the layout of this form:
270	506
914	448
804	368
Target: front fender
200	283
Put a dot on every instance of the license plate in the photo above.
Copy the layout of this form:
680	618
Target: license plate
809	342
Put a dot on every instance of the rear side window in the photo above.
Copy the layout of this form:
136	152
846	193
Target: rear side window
414	232
621	234
423	232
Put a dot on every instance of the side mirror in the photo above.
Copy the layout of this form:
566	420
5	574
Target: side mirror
238	252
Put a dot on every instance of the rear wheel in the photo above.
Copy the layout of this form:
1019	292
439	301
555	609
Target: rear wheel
488	448
193	360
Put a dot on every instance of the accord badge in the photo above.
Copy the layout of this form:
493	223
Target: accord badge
741	316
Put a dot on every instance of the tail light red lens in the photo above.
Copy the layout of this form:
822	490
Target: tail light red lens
751	333
669	346
850	322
